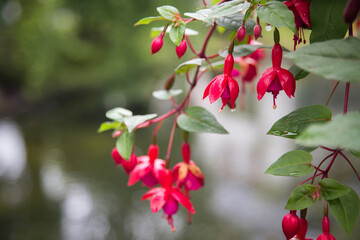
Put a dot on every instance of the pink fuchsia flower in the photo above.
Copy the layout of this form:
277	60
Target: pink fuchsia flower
303	226
157	43
224	85
148	168
167	197
275	78
187	174
301	11
325	236
181	49
119	160
326	230
290	224
241	33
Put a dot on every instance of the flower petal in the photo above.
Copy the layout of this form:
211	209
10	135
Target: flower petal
217	87
138	172
303	9
183	171
264	82
207	89
151	192
181	198
157	201
234	90
287	81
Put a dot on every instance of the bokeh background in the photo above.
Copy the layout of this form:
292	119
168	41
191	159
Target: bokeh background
63	64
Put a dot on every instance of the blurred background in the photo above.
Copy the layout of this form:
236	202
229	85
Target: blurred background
63	64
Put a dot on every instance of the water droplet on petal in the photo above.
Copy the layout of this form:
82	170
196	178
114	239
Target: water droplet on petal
268	28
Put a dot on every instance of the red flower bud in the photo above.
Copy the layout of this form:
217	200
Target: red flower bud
157	43
257	31
290	224
228	64
276	55
185	150
241	33
181	49
326	224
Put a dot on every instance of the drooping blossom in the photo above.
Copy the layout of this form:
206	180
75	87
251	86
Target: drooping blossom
301	234
326	230
148	168
223	85
119	160
167	197
290	224
181	49
187	174
157	43
301	11
275	78
241	33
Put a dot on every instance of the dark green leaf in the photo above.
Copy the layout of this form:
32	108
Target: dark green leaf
342	132
118	114
148	20
177	32
124	144
242	50
331	189
233	22
228	8
198	119
297	72
132	122
108	126
276	14
346	210
333	59
293	164
186	66
168	12
166	95
327	20
355	153
301	197
291	125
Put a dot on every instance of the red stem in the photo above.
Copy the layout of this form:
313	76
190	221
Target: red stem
351	165
320	166
311	178
190	45
325	173
347	89
171	138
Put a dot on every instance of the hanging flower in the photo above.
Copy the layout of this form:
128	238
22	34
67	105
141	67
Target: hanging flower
224	86
119	160
148	168
181	49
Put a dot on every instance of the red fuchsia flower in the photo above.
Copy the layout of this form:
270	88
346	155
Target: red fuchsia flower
301	11
224	85
167	197
157	43
257	31
290	224
181	49
148	168
275	78
187	174
303	226
241	33
119	160
326	230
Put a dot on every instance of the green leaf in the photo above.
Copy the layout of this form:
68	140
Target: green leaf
333	59
186	66
214	65
177	32
301	197
346	210
148	20
198	119
124	144
276	14
201	15
242	50
233	22
293	164
157	30
291	125
355	153
132	122
327	20
297	72
342	132
168	12
108	126
166	95
228	8
118	114
331	189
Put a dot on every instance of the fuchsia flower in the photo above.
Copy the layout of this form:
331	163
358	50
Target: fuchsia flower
326	230
301	11
224	85
181	49
275	78
119	160
157	43
148	168
241	33
167	197
187	173
290	224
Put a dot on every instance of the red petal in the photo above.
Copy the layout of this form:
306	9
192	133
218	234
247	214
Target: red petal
116	156
207	89
264	82
234	90
157	201
159	165
287	81
129	165
151	192
164	177
217	87
139	171
303	8
178	196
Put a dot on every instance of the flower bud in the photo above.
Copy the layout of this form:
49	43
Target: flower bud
157	43
228	64
241	33
257	31
181	49
276	55
290	224
326	224
185	150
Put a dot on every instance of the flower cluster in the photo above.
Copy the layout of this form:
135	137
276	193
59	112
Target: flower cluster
174	185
